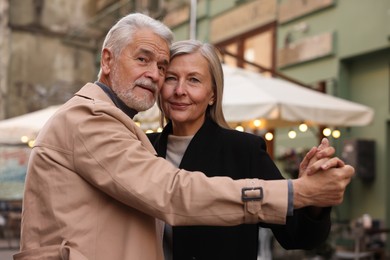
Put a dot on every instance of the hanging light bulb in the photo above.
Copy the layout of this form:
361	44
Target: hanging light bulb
269	136
303	127
292	134
24	139
327	131
336	133
257	123
240	128
31	143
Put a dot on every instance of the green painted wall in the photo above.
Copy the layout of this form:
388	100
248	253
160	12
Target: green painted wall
369	84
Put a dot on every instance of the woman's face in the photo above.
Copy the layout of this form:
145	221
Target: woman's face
186	93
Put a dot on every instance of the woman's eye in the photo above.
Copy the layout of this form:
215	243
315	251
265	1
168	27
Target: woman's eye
194	80
170	78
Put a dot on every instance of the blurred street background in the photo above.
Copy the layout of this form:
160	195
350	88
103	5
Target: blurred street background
338	50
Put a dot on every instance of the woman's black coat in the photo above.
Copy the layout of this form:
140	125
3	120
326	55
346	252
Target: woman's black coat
221	152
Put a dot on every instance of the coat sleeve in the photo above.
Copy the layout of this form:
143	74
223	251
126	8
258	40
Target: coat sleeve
302	231
113	154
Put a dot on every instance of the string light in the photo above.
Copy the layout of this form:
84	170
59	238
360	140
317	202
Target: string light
336	133
257	123
292	134
327	131
303	127
269	136
240	128
24	139
31	143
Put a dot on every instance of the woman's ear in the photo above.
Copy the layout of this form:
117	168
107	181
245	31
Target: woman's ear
212	100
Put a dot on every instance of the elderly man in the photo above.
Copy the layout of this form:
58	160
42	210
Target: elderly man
95	188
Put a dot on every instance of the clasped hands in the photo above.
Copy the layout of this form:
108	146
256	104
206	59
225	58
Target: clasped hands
322	178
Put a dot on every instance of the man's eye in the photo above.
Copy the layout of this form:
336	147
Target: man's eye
142	59
162	69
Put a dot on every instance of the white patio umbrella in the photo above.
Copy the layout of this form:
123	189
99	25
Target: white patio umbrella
12	129
248	96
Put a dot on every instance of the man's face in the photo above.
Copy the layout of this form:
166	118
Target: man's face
137	75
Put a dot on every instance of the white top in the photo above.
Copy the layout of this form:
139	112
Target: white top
176	147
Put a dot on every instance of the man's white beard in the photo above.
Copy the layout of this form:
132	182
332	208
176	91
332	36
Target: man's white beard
126	94
137	103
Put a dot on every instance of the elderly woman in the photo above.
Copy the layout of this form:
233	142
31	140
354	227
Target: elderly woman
197	137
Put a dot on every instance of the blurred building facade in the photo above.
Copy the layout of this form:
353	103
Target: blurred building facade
49	49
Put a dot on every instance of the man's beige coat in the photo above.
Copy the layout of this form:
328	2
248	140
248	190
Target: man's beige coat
95	189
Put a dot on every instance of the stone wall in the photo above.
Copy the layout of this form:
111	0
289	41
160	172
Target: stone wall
43	68
50	48
4	54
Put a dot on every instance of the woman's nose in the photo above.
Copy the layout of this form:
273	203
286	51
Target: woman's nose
180	88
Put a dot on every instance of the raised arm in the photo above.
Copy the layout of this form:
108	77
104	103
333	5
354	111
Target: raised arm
322	180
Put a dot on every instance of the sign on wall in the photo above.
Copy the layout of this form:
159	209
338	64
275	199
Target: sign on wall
13	167
306	49
242	19
292	9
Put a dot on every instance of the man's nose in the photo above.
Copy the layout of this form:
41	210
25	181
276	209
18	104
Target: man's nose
154	72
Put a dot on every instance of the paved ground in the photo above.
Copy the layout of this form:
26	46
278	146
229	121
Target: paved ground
6	254
8	248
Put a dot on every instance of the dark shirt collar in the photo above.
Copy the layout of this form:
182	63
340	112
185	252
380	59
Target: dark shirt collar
118	103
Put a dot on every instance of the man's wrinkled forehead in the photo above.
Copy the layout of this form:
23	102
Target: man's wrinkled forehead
152	45
163	57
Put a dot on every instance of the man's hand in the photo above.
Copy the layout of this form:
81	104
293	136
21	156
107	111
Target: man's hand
318	184
325	188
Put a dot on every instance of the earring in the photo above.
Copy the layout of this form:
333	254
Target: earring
211	103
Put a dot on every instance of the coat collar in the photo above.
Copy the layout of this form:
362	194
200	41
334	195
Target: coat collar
209	128
104	93
93	92
118	103
207	125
